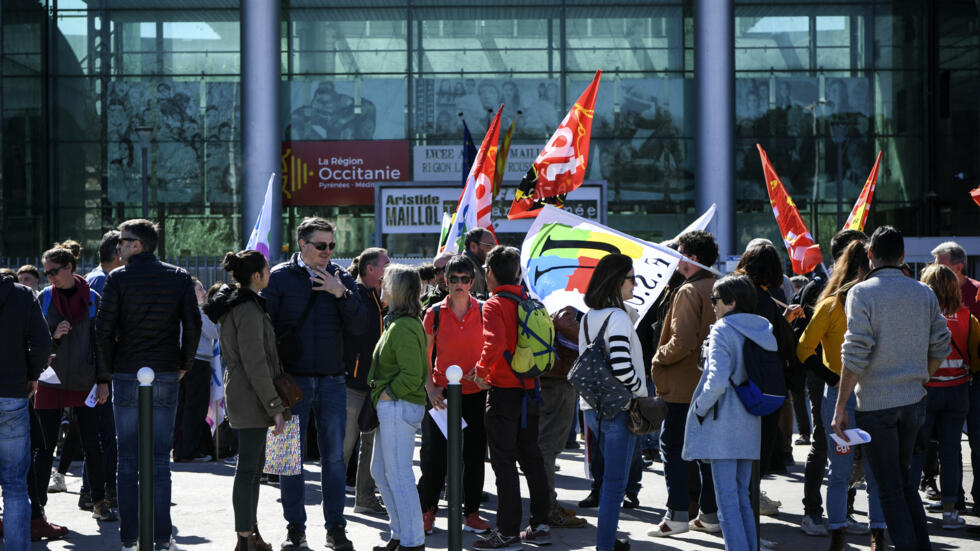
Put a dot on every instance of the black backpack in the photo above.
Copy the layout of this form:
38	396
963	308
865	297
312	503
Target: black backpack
765	389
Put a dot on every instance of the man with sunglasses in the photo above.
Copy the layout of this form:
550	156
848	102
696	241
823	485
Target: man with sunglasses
148	317
479	242
315	300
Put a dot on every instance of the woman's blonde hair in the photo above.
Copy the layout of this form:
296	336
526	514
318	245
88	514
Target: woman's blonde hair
401	288
943	282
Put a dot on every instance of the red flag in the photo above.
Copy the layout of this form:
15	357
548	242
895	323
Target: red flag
803	252
560	167
976	195
859	214
502	159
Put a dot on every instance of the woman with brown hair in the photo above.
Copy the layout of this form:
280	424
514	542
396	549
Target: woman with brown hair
826	329
948	392
248	344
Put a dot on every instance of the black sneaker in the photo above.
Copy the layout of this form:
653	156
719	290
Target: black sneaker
392	545
592	500
295	539
621	544
498	541
85	502
537	535
632	501
337	539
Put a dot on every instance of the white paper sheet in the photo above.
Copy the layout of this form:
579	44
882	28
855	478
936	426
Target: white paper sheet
92	399
49	376
441	417
854	437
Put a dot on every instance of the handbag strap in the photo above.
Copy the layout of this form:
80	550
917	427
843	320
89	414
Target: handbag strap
306	311
602	328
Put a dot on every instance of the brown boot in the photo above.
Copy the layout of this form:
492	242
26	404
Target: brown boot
838	539
878	542
260	543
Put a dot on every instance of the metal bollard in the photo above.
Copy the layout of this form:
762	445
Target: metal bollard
145	376
454	442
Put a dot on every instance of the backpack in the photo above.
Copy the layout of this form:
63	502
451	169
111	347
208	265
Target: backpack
764	391
46	302
535	352
592	376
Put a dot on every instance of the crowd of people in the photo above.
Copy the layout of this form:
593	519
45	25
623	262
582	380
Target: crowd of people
369	346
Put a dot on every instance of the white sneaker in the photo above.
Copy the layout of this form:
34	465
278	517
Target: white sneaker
128	547
57	483
701	525
768	507
855	527
766	545
669	527
812	527
953	521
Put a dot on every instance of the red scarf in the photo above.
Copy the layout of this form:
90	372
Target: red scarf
75	307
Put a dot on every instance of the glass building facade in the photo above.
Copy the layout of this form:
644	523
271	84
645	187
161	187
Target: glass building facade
822	86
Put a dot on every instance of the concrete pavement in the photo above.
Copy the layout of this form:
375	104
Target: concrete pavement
203	517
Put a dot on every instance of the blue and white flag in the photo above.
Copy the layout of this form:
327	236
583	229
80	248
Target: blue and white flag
216	405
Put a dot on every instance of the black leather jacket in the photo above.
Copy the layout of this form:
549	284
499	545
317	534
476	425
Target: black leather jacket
144	305
24	339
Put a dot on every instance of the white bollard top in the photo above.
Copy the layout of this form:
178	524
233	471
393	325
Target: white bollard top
145	376
454	374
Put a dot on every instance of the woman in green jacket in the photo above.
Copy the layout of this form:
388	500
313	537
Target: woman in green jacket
398	370
248	344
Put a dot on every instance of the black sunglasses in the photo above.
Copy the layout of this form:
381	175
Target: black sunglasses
632	279
53	271
714	298
124	239
322	246
460	279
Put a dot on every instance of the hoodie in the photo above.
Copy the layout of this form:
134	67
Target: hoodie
718	425
24	338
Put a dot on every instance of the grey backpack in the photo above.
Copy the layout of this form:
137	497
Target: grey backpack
592	376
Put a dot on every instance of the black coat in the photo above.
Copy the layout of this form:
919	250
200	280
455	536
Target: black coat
145	304
24	339
359	348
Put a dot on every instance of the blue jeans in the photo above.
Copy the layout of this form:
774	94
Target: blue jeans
617	444
596	466
15	460
125	392
325	397
732	478
392	468
839	473
946	410
973	429
893	434
676	469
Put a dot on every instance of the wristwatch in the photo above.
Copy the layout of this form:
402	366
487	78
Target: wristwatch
346	295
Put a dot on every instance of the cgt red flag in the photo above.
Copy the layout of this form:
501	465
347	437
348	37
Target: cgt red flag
560	167
803	252
859	214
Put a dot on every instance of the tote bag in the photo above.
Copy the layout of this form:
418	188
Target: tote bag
282	451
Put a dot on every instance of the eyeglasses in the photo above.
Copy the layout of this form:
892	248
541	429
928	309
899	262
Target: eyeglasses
714	298
124	239
53	271
632	279
322	246
485	244
460	279
440	269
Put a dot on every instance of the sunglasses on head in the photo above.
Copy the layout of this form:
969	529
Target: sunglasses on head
460	279
53	271
322	246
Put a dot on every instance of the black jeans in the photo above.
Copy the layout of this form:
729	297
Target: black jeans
816	460
676	469
245	491
107	436
510	444
894	432
88	430
192	408
434	454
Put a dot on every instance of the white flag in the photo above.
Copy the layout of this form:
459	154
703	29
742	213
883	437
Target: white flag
259	239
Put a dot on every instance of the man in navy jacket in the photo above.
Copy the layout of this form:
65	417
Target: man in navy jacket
310	283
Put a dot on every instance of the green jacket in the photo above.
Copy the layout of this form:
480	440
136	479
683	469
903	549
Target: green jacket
398	363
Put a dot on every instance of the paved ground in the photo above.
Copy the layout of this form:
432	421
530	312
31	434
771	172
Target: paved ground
203	517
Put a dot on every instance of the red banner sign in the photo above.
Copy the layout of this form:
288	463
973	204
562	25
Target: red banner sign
340	173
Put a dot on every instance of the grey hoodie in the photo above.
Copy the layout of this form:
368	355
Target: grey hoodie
733	433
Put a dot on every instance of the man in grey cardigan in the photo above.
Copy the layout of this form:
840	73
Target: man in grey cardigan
896	338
